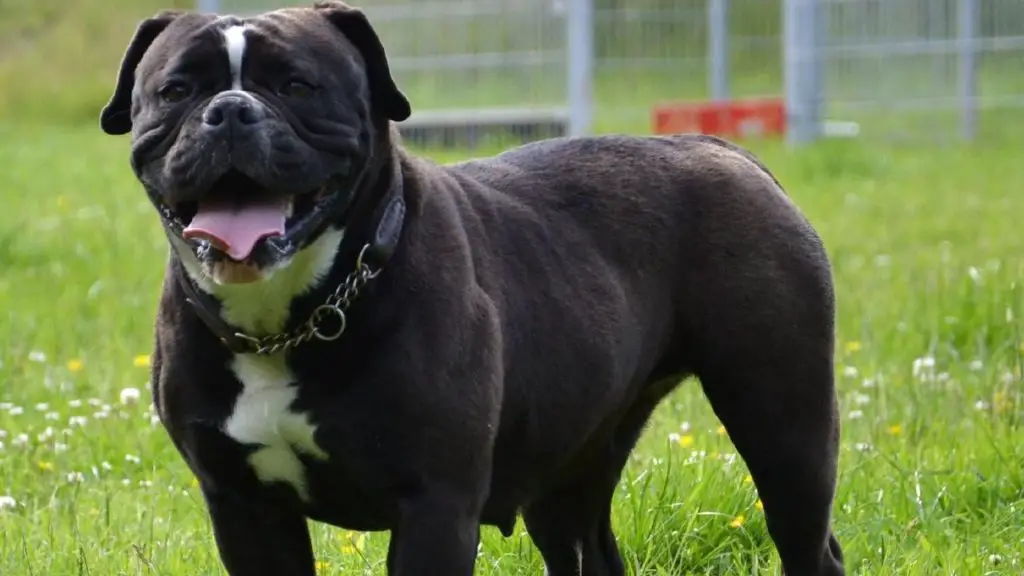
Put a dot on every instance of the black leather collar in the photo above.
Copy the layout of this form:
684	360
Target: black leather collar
377	248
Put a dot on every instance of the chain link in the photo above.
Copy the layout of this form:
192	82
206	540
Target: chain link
334	307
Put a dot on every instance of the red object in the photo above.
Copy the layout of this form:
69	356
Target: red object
729	119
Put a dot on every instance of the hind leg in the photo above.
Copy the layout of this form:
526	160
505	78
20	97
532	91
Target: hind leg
769	378
571	525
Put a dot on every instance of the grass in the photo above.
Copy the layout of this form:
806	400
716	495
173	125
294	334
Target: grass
928	268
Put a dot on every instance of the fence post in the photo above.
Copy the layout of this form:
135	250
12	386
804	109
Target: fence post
579	20
803	69
211	6
718	48
967	30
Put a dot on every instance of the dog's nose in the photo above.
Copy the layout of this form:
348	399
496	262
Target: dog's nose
235	111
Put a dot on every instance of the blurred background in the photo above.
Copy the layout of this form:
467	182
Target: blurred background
921	70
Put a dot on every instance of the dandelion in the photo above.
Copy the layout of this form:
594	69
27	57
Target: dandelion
686	441
141	361
352	542
37	356
195	482
853	346
721	430
895	430
129	396
748	479
759	505
45	466
737	521
8	503
322	565
74	365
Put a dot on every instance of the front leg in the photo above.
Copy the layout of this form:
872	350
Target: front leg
255	538
437	534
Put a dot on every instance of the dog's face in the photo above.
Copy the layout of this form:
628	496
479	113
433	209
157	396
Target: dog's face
250	134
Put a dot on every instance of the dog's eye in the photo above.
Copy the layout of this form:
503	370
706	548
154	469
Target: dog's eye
296	89
174	92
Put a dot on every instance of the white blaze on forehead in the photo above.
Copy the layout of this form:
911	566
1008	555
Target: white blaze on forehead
234	43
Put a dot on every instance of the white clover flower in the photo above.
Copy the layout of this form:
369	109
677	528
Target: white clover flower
129	396
37	356
8	503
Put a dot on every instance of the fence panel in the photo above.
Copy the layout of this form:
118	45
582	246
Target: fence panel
924	69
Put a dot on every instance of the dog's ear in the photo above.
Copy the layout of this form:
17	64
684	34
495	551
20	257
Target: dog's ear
356	27
116	116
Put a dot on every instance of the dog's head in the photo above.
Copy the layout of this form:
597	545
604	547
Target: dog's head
251	135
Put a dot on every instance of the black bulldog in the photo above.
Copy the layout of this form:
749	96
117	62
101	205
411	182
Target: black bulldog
353	334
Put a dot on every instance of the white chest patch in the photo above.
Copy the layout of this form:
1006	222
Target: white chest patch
263	415
234	43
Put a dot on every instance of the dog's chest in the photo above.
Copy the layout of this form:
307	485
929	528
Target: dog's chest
263	417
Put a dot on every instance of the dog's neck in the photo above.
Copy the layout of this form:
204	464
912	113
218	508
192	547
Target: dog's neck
266	307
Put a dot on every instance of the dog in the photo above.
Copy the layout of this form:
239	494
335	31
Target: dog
353	334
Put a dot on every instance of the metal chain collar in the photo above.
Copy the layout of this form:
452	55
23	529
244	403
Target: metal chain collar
334	307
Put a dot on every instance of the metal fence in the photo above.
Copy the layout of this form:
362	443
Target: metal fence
919	69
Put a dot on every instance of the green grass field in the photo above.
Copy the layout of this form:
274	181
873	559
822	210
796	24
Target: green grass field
926	249
926	244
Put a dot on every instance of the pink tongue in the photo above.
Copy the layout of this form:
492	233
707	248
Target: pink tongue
236	229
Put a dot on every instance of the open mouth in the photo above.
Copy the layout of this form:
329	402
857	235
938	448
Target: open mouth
236	214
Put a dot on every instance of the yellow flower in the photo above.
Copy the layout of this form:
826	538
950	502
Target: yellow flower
322	565
1002	402
686	441
737	521
74	365
748	479
895	429
721	430
352	542
759	505
195	482
45	466
141	361
852	346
